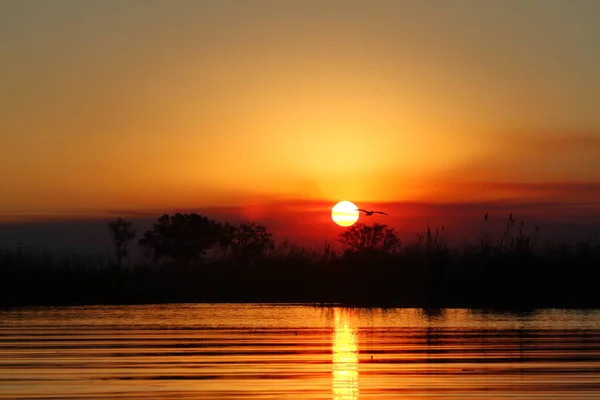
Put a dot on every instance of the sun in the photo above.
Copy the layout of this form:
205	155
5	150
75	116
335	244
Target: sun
344	213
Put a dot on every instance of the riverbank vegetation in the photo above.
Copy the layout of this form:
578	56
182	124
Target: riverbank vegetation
191	258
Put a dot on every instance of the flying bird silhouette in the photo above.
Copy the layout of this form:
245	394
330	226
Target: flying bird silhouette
368	213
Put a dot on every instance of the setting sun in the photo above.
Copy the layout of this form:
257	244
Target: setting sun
344	213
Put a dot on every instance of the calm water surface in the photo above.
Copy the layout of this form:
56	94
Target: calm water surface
255	351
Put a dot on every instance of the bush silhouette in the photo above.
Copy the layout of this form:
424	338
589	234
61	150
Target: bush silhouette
362	238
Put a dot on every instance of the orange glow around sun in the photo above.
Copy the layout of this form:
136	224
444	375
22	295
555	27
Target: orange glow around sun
344	213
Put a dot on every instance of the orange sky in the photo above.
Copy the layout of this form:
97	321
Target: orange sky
158	106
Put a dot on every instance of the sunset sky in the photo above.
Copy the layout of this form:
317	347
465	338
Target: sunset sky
271	109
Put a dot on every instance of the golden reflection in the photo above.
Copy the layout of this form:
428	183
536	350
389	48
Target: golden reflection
345	357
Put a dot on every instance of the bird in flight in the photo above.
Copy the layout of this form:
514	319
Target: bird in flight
371	212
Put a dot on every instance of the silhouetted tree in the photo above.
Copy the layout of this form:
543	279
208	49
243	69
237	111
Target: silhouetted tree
225	237
183	238
362	238
250	242
120	234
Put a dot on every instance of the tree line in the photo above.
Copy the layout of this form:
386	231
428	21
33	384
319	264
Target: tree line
186	239
192	258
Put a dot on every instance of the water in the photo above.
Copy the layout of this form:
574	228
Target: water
254	351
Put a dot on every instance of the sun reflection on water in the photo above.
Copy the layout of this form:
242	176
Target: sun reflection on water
345	357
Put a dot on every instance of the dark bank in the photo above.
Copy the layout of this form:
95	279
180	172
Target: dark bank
191	258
